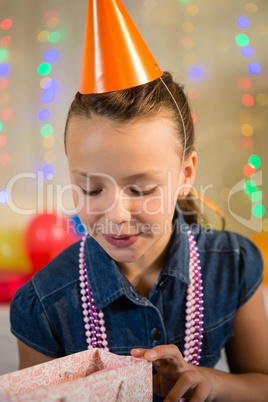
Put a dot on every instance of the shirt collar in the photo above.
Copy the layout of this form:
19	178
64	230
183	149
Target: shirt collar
102	269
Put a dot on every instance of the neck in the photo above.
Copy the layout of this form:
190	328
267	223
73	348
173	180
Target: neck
143	273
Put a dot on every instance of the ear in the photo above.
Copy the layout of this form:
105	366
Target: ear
188	174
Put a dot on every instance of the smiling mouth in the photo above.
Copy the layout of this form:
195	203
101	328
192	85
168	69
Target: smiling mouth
121	236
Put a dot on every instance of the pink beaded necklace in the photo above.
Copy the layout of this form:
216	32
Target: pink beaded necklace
94	320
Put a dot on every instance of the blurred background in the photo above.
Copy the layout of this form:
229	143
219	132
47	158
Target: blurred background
217	49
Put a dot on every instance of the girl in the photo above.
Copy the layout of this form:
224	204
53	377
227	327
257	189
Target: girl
147	280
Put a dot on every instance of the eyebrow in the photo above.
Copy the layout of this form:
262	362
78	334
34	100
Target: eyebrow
134	176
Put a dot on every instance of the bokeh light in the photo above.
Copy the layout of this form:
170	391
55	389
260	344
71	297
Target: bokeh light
44	81
43	36
249	187
51	85
194	117
47	130
3	141
249	170
6	41
51	55
4	197
193	93
1	126
6	113
48	170
49	142
44	115
187	42
243	22
195	72
6	24
50	14
255	161
54	37
242	40
245	83
254	68
256	196
247	143
52	23
247	100
48	96
4	69
44	69
251	8
192	10
3	54
247	51
247	130
258	210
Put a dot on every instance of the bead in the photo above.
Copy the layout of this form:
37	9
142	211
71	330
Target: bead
95	324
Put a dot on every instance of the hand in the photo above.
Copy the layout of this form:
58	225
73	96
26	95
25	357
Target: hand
175	378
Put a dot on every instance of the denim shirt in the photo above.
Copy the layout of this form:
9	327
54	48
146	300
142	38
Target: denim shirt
46	313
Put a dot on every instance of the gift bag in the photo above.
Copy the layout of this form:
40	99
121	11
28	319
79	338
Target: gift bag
93	375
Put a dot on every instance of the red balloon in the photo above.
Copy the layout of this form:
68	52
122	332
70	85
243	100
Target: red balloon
46	236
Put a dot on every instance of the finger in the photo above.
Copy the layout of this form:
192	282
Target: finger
201	393
138	352
166	352
186	382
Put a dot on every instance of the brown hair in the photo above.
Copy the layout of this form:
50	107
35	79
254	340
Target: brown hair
146	101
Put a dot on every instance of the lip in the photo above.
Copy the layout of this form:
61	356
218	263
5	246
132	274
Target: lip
121	241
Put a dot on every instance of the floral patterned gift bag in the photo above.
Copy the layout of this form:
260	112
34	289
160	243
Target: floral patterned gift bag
94	375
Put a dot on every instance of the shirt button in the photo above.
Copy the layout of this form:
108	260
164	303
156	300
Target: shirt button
156	334
160	284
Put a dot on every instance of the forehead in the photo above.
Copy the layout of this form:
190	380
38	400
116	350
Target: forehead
98	144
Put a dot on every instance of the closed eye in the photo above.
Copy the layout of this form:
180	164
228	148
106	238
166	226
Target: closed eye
138	193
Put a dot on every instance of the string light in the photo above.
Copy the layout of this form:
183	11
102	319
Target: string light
254	162
50	87
254	68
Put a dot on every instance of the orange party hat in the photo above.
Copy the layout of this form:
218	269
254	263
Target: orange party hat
115	55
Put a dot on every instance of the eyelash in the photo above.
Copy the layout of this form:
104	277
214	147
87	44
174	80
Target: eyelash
139	193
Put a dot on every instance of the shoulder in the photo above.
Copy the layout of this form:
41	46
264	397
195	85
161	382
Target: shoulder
224	241
230	260
59	273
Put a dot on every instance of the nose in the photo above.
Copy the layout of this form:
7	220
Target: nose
119	211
